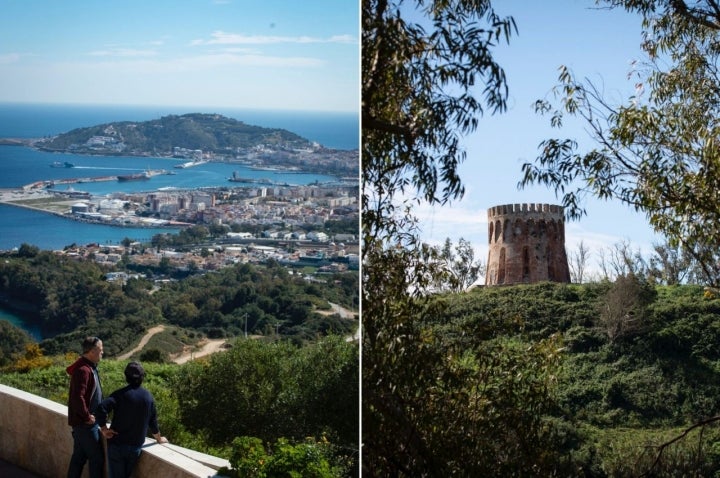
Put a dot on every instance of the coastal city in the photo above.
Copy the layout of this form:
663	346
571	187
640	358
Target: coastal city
252	219
271	217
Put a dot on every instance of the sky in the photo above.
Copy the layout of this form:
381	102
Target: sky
255	54
596	44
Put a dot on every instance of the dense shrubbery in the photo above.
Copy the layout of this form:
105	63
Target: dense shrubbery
250	459
550	380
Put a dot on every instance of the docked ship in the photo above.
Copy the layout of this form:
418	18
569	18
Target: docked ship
133	177
239	179
61	164
147	174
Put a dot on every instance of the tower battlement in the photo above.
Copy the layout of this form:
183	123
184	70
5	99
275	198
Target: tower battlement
526	244
530	209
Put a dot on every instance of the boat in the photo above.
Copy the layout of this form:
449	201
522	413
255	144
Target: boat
239	179
62	164
133	177
189	164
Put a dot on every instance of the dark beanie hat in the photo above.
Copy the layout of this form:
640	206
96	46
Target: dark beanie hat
134	372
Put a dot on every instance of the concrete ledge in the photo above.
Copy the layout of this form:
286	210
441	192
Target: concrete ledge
34	435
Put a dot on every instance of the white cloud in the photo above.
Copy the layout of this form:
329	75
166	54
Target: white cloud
223	38
455	221
128	63
240	50
9	58
124	52
342	39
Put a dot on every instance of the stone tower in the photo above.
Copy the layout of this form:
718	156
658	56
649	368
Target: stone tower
527	244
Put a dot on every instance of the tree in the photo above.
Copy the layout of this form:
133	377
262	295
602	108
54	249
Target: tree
672	265
418	100
217	230
623	261
578	262
657	153
623	311
28	250
458	267
419	86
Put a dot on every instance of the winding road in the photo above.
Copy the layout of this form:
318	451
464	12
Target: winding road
208	347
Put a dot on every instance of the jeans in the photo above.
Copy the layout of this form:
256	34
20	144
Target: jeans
122	459
87	447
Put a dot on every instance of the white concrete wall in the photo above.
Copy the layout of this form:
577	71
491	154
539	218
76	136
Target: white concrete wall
34	435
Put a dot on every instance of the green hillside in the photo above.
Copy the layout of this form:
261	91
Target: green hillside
285	379
67	299
554	380
207	132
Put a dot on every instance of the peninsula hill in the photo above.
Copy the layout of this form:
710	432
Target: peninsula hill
207	137
209	133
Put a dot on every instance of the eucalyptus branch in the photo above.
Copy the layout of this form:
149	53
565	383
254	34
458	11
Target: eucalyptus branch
661	448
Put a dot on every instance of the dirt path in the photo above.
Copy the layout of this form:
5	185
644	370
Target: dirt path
143	342
344	313
210	347
338	309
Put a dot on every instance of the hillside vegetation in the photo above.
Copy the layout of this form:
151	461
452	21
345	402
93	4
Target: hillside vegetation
68	299
561	380
207	132
286	382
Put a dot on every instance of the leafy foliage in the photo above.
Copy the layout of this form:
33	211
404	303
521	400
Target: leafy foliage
13	340
272	390
656	153
617	401
458	267
418	81
417	98
250	459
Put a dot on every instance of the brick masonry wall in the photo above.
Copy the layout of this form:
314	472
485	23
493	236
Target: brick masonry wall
526	244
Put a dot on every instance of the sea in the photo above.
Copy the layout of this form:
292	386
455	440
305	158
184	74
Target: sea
22	165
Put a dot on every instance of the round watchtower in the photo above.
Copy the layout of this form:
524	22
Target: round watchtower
526	244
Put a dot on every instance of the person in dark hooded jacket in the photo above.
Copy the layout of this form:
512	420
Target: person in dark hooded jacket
133	413
83	399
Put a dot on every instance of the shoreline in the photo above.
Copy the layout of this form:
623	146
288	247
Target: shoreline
32	143
10	202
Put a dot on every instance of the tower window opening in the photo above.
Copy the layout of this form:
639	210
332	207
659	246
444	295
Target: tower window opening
501	267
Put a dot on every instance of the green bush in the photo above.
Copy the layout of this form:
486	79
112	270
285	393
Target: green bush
249	459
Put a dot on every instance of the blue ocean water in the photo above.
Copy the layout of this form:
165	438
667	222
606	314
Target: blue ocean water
20	166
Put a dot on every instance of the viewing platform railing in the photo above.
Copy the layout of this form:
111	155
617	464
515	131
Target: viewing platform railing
35	436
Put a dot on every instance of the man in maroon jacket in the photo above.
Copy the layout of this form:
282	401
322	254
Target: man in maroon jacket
85	396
